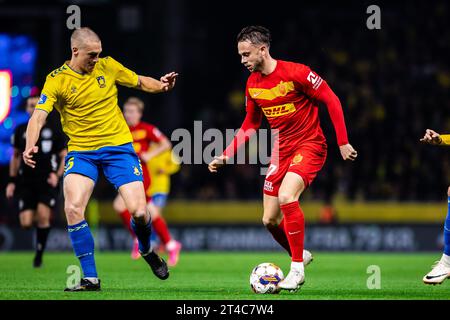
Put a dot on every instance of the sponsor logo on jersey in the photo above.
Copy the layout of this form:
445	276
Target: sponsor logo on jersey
314	79
42	99
277	111
101	81
280	90
268	186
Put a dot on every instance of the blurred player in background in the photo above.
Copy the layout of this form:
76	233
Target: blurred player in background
288	95
441	270
161	167
145	135
84	91
37	190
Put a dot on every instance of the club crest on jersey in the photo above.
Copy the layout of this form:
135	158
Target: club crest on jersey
101	81
297	159
282	88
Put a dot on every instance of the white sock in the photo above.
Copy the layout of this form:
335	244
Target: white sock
446	260
92	279
298	267
171	245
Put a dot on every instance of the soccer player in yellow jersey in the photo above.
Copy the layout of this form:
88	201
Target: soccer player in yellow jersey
441	269
84	91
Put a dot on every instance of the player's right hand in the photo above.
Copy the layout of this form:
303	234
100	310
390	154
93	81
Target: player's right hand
10	188
217	163
431	137
347	152
27	156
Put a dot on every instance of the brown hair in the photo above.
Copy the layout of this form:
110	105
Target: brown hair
255	35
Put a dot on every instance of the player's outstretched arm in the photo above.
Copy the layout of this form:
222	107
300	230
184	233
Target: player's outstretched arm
431	137
34	127
166	83
329	98
248	128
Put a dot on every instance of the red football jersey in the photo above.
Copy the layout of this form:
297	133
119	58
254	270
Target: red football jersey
143	135
289	97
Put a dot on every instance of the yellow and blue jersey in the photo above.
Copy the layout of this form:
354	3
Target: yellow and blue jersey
87	103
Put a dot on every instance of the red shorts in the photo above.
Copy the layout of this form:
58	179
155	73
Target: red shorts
306	161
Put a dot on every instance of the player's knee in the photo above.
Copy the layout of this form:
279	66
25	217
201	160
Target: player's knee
117	206
269	222
73	212
43	221
286	197
26	224
26	221
139	215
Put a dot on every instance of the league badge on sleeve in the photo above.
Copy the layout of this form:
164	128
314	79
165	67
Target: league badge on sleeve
42	99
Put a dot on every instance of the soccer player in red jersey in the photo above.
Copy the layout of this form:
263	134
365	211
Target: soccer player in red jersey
288	94
145	134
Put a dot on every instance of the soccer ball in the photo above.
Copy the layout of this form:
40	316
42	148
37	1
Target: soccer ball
265	277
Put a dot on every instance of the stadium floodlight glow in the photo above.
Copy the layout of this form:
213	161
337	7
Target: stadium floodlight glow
5	93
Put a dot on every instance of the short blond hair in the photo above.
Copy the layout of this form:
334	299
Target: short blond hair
82	35
136	101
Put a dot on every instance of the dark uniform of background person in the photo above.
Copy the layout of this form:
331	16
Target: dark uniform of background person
36	190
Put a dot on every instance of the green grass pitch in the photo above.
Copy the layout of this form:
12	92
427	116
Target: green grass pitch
221	276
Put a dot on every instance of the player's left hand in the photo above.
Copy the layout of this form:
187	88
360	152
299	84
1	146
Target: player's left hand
52	179
27	156
168	81
347	152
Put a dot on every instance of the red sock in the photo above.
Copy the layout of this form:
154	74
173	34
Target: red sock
279	234
160	226
295	229
126	220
